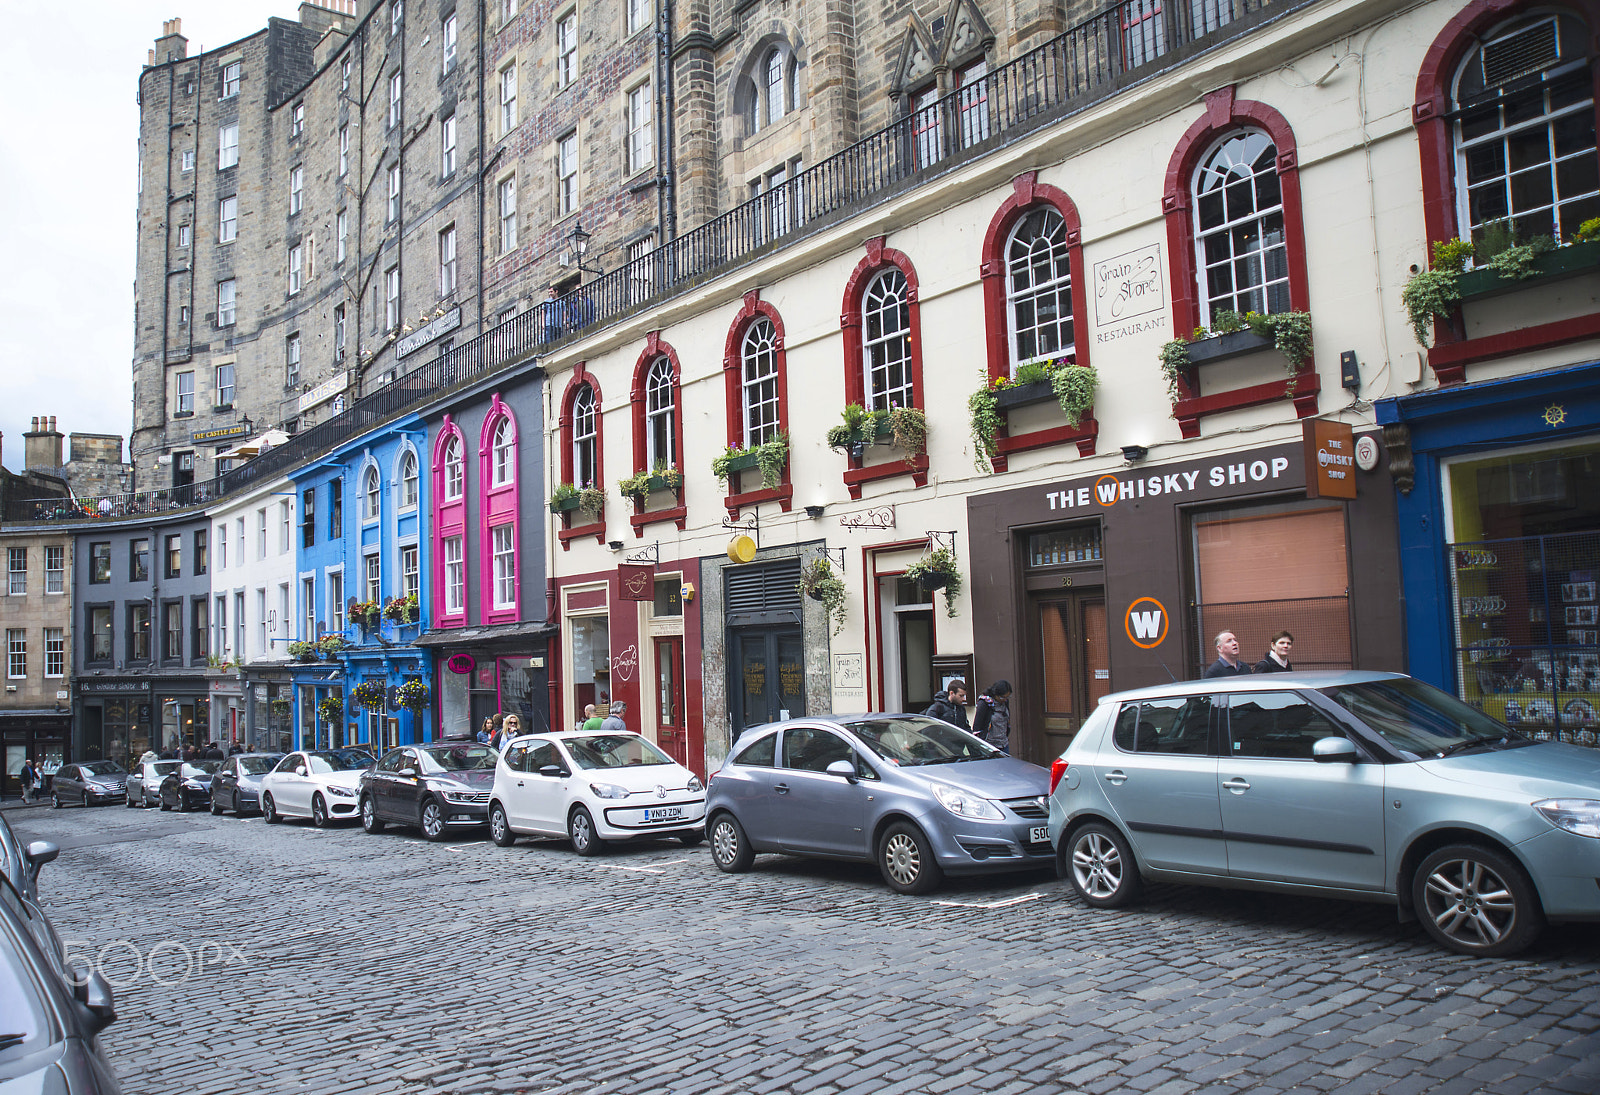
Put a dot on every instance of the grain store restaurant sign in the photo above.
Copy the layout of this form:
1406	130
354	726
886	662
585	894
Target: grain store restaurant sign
1121	579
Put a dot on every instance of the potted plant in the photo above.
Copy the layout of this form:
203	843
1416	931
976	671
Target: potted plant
330	645
331	709
564	498
304	652
1232	335
938	570
592	500
769	456
402	610
413	695
1072	386
365	614
369	694
639	487
820	583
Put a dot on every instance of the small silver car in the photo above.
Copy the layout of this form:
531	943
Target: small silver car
1356	785
914	795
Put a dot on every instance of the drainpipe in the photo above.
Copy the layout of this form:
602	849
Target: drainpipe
666	161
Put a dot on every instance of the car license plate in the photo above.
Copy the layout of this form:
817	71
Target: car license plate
1039	834
663	813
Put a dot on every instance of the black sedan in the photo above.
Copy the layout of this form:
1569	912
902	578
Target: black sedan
435	787
237	784
189	787
90	783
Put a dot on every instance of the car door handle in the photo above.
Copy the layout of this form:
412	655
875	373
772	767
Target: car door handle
782	788
1116	776
520	783
1236	785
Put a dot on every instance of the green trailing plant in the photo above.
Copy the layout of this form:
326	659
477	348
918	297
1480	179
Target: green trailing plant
1290	333
1225	322
332	708
413	695
908	431
592	500
368	694
563	497
820	583
1588	231
1452	254
771	456
1517	260
1032	373
1430	293
305	652
330	645
938	570
860	426
1074	387
1174	363
671	478
983	407
635	486
365	614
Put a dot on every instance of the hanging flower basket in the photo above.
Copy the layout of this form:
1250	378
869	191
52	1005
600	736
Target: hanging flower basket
402	610
821	584
365	614
938	566
304	652
369	694
331	709
413	695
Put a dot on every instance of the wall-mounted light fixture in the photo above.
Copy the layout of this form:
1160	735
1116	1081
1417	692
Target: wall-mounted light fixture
614	545
813	512
1134	453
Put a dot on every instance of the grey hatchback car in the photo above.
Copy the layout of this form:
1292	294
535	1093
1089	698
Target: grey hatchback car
916	796
1356	785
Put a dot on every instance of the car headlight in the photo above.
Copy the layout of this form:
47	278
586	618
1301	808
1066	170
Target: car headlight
966	804
608	790
194	785
457	793
1575	815
341	792
694	786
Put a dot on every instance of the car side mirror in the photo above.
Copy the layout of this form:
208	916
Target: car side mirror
1334	750
93	992
554	771
300	770
845	768
38	853
409	771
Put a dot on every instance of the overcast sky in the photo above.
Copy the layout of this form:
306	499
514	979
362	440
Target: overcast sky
68	191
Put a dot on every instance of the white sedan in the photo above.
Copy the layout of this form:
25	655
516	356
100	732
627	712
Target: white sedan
323	785
593	788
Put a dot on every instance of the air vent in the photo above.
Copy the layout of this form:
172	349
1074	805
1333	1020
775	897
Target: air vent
1519	54
765	588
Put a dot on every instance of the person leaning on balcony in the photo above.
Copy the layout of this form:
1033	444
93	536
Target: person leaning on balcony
1277	659
552	315
1227	663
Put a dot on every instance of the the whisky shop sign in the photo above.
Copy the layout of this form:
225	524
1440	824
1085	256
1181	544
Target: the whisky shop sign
1239	473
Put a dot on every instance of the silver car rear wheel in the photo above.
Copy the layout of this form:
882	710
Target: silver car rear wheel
1102	868
1475	900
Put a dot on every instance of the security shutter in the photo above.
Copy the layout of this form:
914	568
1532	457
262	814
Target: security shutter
763	593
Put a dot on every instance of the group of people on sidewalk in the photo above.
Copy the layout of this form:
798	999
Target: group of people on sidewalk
992	721
1229	665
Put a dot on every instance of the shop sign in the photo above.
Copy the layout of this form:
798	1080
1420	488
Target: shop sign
462	663
428	332
638	583
1242	470
1146	621
221	433
1126	288
111	687
322	392
1330	459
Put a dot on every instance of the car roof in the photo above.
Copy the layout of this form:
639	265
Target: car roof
1256	682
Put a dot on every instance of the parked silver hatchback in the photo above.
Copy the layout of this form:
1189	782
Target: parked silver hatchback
1356	785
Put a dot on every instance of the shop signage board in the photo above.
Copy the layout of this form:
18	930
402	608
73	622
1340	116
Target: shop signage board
1330	459
322	392
221	433
637	583
431	330
91	687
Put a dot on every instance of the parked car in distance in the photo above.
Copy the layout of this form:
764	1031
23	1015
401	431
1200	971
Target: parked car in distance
145	780
236	785
435	787
321	784
188	787
52	1012
89	783
1355	785
914	795
593	788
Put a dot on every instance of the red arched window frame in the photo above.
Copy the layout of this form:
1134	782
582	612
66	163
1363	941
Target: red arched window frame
1452	352
449	520
1028	194
655	349
581	378
752	309
1223	115
497	508
877	259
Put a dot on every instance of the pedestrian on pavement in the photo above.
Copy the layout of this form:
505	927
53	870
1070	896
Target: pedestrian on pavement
951	706
1227	663
992	722
215	752
28	776
510	726
1277	659
235	749
490	727
590	720
612	723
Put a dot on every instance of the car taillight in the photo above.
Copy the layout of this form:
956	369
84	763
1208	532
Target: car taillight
1058	768
711	777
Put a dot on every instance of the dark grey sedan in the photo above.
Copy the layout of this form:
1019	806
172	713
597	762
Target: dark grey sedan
916	796
436	787
89	783
237	784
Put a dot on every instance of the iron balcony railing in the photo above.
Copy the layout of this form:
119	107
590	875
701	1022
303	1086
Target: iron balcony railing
1123	44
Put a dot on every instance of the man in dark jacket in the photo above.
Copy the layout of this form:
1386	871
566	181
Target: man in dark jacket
1227	663
951	706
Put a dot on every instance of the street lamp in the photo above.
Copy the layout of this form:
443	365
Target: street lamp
580	248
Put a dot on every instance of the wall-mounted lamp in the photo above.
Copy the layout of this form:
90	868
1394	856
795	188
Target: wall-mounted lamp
813	512
1134	453
614	545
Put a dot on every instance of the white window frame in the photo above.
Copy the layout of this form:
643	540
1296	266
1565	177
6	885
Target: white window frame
228	219
447	42
397	17
504	549
55	652
187	160
55	576
391	299
566	48
397	86
371	494
183	235
447	147
640	144
660	415
232	75
343	226
185	392
227	303
455	576
503	454
339	313
1024	262
638	16
285	527
875	351
567	174
410	571
506	81
296	270
308	606
344	150
16	654
392	209
372	573
410	481
226	380
507	191
227	146
335	589
297	120
447	261
16	576
454	470
291	360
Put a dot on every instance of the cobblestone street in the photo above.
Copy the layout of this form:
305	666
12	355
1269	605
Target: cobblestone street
287	959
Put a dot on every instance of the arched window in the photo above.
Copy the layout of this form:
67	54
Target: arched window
886	341
758	361
370	493
661	443
585	437
452	469
776	86
503	454
750	106
408	480
1239	238
1039	288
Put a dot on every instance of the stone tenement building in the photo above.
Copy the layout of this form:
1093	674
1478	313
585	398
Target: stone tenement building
334	200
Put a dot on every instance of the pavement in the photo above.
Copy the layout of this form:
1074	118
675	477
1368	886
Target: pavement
289	959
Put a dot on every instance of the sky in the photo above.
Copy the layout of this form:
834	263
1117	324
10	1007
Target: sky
68	195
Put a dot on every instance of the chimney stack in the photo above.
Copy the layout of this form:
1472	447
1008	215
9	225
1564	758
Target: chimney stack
41	446
172	45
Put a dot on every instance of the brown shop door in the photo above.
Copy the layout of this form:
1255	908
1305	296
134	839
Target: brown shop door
1072	666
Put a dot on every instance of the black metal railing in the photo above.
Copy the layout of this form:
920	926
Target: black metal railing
1125	42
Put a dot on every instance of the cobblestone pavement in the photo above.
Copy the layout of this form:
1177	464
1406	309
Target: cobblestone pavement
288	959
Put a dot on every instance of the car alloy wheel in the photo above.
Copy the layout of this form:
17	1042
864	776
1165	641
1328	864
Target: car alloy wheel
269	810
1475	900
580	827
1102	867
433	826
55	801
906	860
730	850
319	812
500	827
216	807
370	821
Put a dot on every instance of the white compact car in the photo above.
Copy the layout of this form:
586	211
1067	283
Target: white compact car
323	785
593	788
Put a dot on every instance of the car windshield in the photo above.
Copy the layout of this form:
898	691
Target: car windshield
254	766
163	767
457	758
614	751
911	741
101	768
338	760
1417	718
201	767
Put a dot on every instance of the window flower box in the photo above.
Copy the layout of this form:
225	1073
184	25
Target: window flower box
1225	347
1024	395
1560	262
564	505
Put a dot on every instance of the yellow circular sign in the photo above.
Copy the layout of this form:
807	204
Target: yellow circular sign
741	549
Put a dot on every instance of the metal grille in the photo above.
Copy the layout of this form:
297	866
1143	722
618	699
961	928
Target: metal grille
1320	626
1519	54
765	588
1026	808
1527	632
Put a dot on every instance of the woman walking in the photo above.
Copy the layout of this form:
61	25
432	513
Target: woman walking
992	722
